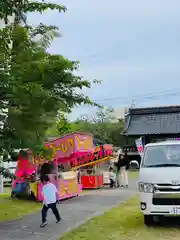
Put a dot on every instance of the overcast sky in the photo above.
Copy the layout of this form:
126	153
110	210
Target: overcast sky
132	45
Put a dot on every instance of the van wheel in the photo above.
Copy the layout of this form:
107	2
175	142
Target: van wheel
148	220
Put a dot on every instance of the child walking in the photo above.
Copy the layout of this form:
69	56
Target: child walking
49	192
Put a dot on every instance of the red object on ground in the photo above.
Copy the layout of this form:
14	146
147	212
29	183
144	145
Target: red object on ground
92	181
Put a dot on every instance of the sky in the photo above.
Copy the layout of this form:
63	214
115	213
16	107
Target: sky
133	46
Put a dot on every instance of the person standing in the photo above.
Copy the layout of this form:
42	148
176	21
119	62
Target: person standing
116	171
123	163
49	192
116	167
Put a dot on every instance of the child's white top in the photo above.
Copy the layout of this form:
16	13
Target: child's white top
49	191
112	176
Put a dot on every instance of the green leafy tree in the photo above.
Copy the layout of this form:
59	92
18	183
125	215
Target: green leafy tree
103	125
34	83
20	8
60	126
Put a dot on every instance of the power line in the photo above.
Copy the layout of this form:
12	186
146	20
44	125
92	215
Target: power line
141	97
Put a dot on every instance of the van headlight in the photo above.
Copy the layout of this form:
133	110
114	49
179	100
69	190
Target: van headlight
146	187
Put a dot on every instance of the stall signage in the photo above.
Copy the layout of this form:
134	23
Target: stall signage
83	143
62	147
66	146
91	157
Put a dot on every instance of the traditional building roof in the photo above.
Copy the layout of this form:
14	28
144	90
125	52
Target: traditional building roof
153	120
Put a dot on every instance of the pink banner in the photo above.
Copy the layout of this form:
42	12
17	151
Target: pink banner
64	147
61	147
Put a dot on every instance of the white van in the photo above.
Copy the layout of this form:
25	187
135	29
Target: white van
159	180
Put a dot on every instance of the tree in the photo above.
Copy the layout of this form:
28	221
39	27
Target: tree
104	126
19	8
35	84
60	126
39	79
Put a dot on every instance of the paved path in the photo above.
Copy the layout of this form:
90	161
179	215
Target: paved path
74	212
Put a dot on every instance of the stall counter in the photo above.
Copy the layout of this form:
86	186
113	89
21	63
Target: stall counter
92	181
67	186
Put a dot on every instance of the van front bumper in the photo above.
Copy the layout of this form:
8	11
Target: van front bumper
148	208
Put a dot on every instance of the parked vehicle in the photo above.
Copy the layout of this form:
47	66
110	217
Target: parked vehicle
159	180
11	166
133	165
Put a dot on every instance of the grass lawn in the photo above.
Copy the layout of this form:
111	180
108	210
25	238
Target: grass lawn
12	209
121	223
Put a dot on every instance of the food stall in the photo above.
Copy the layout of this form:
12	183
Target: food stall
92	177
90	166
65	151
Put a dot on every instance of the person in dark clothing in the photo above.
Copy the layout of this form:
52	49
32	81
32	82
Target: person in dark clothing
117	173
123	164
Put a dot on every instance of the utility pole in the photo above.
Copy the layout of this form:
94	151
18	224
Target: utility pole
133	104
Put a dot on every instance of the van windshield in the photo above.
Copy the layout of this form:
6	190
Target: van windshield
162	156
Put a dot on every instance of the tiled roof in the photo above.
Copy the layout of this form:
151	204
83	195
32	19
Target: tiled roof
158	120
